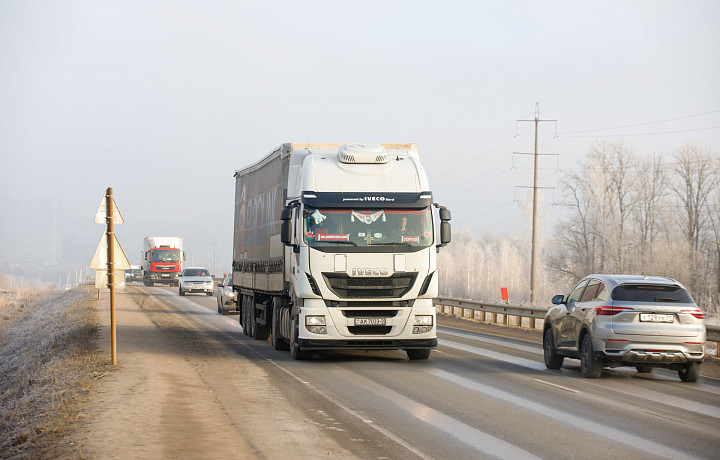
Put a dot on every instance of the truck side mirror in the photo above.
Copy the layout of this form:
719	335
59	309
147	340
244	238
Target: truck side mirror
445	233
445	214
286	227
445	230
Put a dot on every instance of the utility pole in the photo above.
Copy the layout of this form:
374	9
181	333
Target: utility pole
534	248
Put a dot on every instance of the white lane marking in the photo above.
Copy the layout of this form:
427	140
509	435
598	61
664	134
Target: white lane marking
472	437
537	350
651	395
558	386
495	355
563	417
355	414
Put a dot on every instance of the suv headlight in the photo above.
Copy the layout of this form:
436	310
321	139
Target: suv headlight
316	324
422	324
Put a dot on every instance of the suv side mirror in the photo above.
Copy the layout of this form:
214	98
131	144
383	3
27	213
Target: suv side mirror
558	299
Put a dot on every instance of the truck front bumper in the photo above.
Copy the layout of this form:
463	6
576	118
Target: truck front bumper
367	344
164	277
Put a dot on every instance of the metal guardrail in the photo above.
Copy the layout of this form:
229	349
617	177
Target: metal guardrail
466	308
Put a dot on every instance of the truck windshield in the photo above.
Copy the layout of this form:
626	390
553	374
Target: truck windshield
165	255
367	227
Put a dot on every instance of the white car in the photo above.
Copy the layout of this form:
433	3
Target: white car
196	279
226	297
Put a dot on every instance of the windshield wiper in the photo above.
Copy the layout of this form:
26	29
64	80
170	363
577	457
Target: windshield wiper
665	299
337	242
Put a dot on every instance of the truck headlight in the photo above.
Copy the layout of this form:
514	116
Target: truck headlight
316	324
422	324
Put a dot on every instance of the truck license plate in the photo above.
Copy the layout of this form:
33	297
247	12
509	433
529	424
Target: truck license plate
656	318
369	321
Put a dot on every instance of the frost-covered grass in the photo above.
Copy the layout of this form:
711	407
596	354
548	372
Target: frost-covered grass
48	361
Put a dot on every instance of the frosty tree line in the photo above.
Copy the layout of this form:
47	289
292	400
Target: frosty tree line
625	212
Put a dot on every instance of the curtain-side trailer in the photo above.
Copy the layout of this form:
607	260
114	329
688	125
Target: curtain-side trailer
334	248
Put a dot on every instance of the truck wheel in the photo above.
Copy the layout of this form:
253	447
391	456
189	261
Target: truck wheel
278	343
690	373
420	353
251	324
295	351
262	331
245	316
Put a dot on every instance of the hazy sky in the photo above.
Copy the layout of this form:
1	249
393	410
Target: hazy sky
164	100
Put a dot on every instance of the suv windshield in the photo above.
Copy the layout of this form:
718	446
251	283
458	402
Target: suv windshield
651	293
196	272
367	227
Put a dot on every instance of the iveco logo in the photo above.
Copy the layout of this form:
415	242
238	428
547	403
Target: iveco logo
369	271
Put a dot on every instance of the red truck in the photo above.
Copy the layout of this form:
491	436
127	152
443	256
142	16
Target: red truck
163	260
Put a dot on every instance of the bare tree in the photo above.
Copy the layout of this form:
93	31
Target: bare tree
695	177
650	191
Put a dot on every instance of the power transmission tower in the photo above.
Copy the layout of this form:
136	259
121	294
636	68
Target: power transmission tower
534	250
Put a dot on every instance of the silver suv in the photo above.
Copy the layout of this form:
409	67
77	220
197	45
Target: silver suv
624	320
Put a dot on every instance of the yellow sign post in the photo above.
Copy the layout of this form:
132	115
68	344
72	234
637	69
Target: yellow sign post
105	255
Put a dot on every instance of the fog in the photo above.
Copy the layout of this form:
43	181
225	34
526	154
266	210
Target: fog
164	100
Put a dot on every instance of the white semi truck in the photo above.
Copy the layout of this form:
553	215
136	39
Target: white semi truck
334	248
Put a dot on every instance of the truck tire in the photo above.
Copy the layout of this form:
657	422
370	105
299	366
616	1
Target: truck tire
295	352
245	315
252	325
262	331
418	353
277	341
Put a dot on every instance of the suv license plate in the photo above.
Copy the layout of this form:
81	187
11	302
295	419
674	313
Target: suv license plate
369	321
655	318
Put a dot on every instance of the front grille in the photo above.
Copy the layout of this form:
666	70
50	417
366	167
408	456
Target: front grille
369	313
365	304
345	286
369	330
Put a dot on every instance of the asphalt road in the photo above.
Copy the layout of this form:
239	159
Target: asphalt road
478	396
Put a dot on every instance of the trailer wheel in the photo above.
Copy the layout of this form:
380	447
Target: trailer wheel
252	325
295	351
278	343
245	316
262	331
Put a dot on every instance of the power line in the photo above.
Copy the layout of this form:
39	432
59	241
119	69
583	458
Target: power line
475	179
652	134
474	159
640	124
631	93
